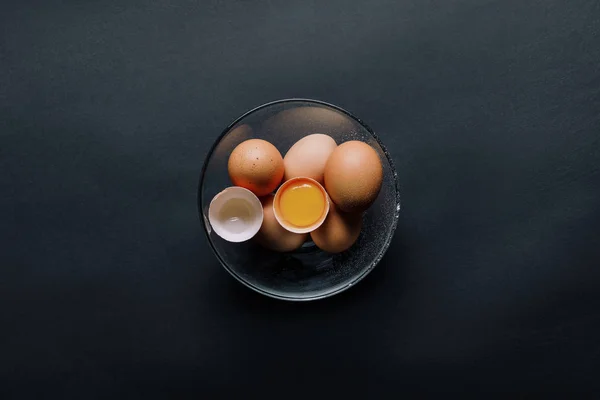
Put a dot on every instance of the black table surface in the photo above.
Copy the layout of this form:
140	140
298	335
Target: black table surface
490	109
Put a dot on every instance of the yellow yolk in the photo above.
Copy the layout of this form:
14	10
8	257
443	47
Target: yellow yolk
302	204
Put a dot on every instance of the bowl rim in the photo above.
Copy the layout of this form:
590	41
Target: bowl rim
356	279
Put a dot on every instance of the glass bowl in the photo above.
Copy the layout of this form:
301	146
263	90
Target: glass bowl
307	273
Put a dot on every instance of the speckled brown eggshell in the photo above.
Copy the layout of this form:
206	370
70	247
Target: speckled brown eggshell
353	176
256	165
339	231
272	235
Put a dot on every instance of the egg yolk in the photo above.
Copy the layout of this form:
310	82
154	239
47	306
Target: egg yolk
302	204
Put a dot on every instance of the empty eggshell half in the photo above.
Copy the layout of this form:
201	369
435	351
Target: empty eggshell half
235	214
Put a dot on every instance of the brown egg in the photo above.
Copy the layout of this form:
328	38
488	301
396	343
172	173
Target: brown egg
272	235
353	176
256	165
308	156
339	231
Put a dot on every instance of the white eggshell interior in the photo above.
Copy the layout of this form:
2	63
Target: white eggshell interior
235	214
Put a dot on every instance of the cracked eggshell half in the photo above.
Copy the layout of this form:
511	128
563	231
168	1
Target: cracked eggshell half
235	214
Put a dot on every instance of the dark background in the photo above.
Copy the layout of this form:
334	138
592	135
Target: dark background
490	109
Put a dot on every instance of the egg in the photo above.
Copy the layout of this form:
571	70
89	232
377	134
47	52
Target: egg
301	205
353	176
308	156
256	165
272	235
339	231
